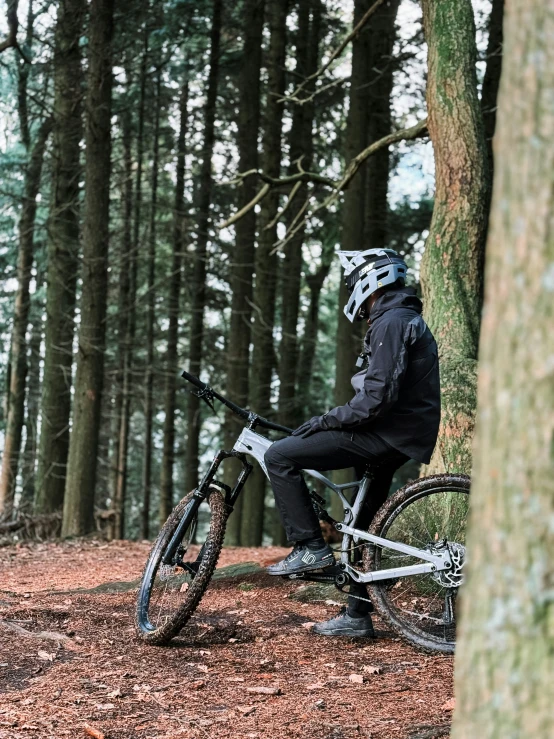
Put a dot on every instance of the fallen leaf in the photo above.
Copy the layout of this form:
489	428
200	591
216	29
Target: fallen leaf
234	679
265	691
308	624
232	641
202	668
356	678
246	710
105	706
115	694
197	685
315	686
46	656
184	587
372	670
91	731
450	705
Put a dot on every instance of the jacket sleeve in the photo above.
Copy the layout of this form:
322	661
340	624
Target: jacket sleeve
387	367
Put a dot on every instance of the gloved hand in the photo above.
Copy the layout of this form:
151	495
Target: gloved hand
317	423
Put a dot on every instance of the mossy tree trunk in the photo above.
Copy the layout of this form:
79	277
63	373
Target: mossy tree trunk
63	258
198	301
243	252
505	659
263	351
78	510
452	266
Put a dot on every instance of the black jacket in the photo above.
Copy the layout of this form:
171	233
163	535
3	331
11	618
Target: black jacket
398	395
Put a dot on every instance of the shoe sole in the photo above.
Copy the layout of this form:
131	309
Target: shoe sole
346	632
299	571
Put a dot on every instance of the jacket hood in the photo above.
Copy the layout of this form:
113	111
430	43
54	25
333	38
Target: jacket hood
402	297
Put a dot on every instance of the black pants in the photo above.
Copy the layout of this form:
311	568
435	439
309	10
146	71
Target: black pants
322	451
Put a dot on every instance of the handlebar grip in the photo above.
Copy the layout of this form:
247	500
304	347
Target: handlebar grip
193	379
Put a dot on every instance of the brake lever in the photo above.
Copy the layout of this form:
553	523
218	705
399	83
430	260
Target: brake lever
206	395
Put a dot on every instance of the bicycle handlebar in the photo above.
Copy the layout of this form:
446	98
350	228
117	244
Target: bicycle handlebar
242	412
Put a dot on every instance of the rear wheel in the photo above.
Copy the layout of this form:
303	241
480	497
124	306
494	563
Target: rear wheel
430	513
169	594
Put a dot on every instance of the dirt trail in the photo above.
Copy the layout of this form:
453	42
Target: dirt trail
69	658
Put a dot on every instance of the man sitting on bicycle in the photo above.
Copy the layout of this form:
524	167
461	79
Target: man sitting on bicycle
393	416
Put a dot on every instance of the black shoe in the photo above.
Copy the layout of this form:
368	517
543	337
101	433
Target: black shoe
303	559
345	625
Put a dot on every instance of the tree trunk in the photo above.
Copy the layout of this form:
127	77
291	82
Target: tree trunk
199	274
242	255
28	467
315	283
379	78
364	214
120	492
491	81
124	306
150	317
452	266
504	659
63	258
168	459
78	510
18	374
301	145
263	352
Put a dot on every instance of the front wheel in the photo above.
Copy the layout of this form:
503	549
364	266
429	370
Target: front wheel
169	594
429	513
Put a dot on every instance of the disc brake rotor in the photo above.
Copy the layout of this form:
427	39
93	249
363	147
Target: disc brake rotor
453	577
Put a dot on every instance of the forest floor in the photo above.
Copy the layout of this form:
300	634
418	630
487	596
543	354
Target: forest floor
71	665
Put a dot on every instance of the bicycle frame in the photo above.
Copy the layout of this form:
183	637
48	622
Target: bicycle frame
253	444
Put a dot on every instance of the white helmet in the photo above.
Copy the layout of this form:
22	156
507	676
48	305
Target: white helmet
368	271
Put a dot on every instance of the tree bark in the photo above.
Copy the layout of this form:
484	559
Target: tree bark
263	352
18	352
452	266
168	458
491	81
199	272
150	319
63	258
504	659
242	255
78	510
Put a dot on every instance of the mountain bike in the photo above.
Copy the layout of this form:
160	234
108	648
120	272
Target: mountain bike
411	559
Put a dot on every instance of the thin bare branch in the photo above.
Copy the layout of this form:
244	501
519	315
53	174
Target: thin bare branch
243	211
293	97
280	213
405	134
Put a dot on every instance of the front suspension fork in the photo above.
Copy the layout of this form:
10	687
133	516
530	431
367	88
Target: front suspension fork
200	495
